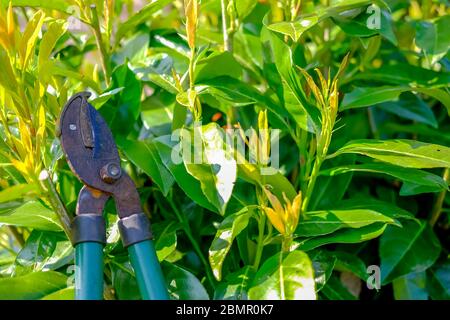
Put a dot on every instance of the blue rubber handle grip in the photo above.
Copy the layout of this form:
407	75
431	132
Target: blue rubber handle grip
148	271
89	271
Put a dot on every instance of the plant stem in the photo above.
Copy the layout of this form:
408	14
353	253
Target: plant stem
286	244
104	55
187	230
226	37
191	69
312	182
373	124
260	241
56	202
437	208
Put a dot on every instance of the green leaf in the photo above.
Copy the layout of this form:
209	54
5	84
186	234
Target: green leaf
187	183
230	227
215	65
359	26
229	91
133	50
30	215
295	102
122	110
344	236
432	36
215	169
55	30
413	248
323	264
289	277
414	181
144	154
124	280
295	29
401	152
43	251
439	94
18	191
59	5
350	262
244	8
368	203
317	223
29	37
411	287
166	238
409	106
139	17
32	286
335	290
182	284
438	281
369	96
63	294
403	74
235	286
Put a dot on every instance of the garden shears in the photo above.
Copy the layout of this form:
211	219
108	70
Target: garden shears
92	155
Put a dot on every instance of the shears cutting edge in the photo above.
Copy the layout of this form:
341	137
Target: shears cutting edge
92	155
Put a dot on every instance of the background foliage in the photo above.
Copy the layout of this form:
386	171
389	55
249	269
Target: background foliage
364	150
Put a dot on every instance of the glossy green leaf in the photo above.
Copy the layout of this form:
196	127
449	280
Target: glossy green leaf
235	286
17	191
44	251
360	26
402	74
31	214
141	16
364	97
432	36
144	155
411	287
187	183
350	262
401	152
60	5
296	28
438	281
323	264
305	115
63	294
182	284
32	286
124	281
412	248
284	277
215	65
229	228
55	30
215	169
133	51
122	110
344	236
317	223
335	290
414	181
166	238
410	106
386	208
29	38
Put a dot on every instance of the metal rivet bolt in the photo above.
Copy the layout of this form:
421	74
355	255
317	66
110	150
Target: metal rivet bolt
110	172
